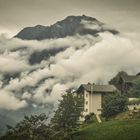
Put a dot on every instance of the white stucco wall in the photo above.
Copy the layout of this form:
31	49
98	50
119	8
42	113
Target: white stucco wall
95	105
131	107
92	103
86	106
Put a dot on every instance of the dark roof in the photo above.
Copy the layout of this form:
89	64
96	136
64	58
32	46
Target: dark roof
97	88
130	78
138	74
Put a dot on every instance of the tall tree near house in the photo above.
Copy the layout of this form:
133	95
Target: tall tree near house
65	120
114	104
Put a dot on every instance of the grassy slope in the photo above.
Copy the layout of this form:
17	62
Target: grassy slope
112	130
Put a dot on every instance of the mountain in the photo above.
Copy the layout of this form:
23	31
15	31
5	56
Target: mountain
70	26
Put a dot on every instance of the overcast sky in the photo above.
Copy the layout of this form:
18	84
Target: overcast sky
124	15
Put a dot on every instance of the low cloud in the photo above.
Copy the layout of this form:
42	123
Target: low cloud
10	102
84	59
11	63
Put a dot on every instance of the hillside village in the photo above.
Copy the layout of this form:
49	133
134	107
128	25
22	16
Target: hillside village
93	94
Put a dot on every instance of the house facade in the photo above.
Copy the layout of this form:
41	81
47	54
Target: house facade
93	95
134	103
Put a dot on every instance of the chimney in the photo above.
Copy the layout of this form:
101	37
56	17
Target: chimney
89	83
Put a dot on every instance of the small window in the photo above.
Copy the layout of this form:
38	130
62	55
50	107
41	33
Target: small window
86	95
86	102
86	110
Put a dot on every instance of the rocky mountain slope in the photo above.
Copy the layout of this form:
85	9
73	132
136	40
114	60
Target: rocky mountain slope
70	26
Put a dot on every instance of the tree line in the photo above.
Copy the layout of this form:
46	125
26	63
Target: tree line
62	126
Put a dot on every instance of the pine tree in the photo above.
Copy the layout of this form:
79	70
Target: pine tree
66	119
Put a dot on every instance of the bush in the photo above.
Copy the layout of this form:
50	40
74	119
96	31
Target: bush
89	117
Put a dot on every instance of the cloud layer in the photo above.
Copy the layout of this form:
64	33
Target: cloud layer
81	59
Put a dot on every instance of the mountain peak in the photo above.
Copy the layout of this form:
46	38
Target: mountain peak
83	17
69	26
39	26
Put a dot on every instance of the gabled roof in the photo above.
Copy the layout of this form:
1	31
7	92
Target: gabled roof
97	88
130	78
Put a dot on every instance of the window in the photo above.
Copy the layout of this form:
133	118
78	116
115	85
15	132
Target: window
86	110
86	95
86	102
